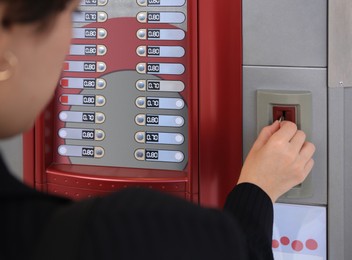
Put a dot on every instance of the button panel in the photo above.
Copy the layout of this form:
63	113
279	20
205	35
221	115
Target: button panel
123	96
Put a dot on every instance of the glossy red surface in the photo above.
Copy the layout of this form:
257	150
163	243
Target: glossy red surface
220	99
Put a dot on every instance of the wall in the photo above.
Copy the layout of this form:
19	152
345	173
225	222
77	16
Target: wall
11	151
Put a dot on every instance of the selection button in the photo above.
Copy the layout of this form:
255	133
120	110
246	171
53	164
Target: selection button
160	68
81	151
82	134
159	138
161	17
161	2
82	117
93	2
159	155
84	66
82	83
159	120
89	17
160	85
161	51
82	100
161	34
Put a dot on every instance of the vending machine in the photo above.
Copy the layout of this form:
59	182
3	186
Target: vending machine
150	96
155	93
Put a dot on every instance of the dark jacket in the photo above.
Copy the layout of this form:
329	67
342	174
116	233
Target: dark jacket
132	224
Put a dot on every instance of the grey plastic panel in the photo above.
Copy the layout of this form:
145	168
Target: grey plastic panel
127	113
340	173
348	172
337	227
12	152
285	32
300	79
340	43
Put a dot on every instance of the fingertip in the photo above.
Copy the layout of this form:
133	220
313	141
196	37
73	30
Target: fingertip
313	148
310	146
288	125
309	166
276	123
282	123
275	126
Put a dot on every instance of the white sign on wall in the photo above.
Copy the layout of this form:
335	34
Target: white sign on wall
299	232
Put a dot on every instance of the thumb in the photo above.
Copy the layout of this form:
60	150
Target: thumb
265	135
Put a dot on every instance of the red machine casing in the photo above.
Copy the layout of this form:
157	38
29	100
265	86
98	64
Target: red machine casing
215	123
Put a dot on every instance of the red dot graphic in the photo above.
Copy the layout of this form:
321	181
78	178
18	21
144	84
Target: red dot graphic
275	243
285	241
297	245
311	244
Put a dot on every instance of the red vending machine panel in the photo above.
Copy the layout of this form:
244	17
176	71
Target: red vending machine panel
150	96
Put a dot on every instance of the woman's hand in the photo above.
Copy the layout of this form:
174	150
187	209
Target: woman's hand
279	159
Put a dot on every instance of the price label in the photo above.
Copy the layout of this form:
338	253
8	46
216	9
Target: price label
152	137
153	85
152	103
153	34
151	155
152	120
88	117
88	152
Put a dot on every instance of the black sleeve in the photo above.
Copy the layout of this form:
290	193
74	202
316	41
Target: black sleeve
253	209
143	224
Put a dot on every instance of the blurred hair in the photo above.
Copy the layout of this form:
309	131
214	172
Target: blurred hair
40	12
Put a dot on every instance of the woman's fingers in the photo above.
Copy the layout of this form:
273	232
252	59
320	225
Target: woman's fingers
309	166
286	132
265	134
307	152
297	141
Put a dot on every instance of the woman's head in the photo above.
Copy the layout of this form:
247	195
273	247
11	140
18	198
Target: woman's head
34	39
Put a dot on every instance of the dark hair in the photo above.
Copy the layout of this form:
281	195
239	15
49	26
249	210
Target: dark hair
31	11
